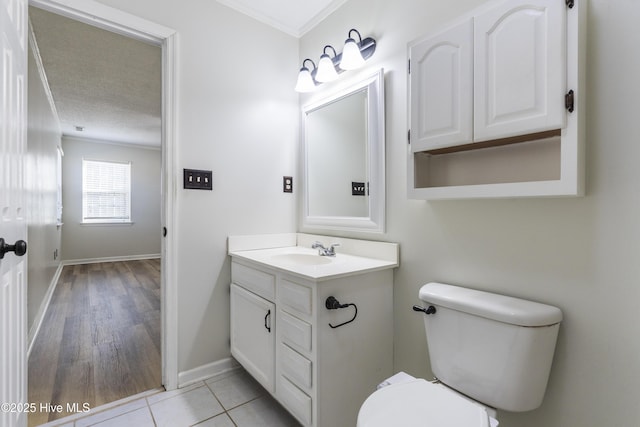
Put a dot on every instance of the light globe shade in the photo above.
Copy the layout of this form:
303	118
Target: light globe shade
305	81
351	56
326	70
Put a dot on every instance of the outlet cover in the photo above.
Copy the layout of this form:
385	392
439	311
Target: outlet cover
195	179
287	184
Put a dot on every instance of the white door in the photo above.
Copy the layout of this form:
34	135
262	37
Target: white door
519	70
253	342
441	89
13	226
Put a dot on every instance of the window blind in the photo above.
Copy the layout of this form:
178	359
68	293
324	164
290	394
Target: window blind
106	191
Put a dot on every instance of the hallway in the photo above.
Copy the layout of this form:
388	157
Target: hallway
100	338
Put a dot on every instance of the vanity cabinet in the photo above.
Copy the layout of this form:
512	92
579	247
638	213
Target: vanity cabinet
253	336
319	373
494	103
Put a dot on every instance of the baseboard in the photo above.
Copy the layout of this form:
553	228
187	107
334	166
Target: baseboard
109	259
42	310
205	372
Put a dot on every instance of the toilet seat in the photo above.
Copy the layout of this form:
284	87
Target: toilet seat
419	403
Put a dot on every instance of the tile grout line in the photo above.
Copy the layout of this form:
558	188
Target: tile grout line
221	405
153	419
147	403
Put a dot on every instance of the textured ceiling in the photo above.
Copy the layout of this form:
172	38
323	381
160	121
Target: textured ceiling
110	84
107	83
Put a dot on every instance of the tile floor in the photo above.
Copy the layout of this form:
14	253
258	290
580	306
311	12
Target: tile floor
231	400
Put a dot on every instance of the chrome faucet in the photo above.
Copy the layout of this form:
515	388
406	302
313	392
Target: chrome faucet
322	251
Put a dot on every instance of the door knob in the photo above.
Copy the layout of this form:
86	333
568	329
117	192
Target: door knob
20	248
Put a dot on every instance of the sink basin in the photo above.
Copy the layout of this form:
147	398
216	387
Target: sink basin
301	259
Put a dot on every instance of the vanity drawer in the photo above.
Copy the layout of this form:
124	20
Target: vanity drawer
257	281
295	400
295	367
295	297
295	332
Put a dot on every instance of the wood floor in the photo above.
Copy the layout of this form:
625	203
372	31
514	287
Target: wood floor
100	338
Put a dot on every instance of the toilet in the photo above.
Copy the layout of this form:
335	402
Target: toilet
488	352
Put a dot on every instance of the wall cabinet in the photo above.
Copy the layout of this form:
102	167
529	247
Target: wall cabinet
281	334
442	89
519	68
495	103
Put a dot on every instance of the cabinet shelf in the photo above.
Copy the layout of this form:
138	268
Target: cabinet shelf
537	160
538	168
494	143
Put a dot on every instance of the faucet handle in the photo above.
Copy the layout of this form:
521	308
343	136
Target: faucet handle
332	249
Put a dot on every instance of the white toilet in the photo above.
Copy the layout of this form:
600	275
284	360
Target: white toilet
487	352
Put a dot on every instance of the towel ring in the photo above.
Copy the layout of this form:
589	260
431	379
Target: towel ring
333	304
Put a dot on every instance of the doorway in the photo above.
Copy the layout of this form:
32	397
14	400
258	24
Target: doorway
100	339
131	26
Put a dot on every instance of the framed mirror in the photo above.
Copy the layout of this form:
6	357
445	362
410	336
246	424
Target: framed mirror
344	179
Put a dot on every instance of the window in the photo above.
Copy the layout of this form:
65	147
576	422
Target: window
106	192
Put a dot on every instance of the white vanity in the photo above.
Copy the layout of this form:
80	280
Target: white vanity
319	363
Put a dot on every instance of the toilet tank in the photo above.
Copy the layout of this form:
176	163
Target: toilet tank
493	348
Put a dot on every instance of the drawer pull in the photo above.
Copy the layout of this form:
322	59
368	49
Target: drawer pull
267	316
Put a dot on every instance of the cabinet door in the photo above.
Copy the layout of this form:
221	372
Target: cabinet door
253	335
441	89
519	70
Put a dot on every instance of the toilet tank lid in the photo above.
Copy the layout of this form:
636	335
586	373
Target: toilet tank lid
514	311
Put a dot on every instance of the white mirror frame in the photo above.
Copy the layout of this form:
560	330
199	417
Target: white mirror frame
375	222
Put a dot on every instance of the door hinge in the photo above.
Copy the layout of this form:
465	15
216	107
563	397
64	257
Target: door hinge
409	137
569	3
409	66
568	101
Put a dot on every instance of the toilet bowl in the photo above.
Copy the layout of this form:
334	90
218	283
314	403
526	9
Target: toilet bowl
487	351
420	403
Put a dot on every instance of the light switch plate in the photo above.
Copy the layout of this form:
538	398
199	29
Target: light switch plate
358	188
195	179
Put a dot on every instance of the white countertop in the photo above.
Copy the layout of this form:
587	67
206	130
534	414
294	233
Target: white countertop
330	268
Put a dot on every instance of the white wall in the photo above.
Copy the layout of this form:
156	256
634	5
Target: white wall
95	241
237	116
578	254
43	139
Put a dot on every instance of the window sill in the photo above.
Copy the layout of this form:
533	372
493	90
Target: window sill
106	224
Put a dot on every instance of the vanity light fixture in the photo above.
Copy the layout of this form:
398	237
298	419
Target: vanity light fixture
354	55
327	66
306	81
351	55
